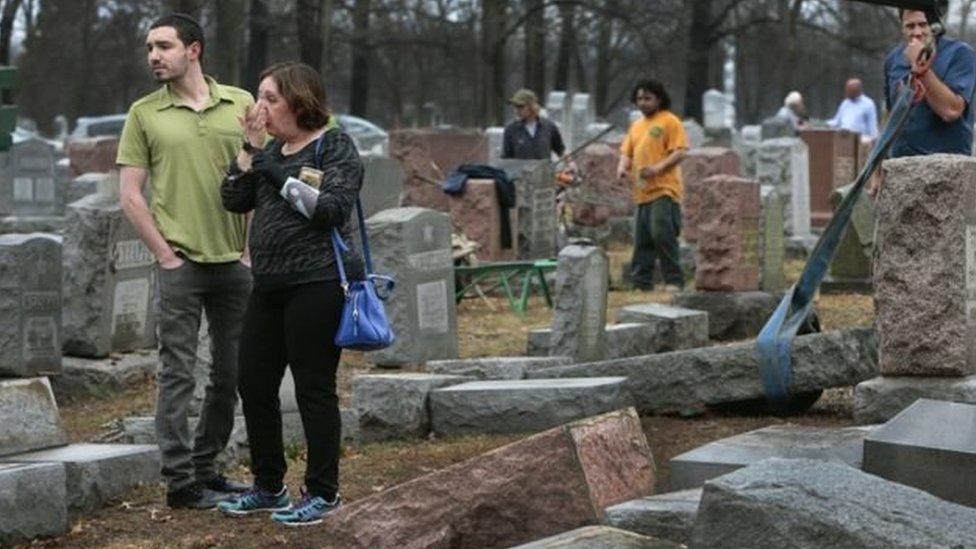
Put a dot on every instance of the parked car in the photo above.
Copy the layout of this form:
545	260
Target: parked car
96	126
369	137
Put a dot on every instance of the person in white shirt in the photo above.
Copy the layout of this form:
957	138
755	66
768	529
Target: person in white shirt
857	112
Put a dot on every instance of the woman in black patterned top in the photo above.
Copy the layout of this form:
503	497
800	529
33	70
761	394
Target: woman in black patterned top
297	197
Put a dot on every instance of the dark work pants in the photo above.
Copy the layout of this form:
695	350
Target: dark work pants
294	326
221	290
657	225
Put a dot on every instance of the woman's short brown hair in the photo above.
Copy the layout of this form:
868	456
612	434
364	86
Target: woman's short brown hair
302	88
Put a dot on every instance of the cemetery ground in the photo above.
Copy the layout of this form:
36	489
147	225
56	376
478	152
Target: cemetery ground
486	328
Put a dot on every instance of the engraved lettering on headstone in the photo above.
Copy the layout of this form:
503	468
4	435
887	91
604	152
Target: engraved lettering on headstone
34	163
44	189
129	254
40	337
432	306
593	302
431	261
23	189
130	308
40	301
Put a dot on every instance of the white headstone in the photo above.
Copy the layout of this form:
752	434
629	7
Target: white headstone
784	163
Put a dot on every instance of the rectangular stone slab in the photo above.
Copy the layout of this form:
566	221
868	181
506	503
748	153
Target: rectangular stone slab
522	405
925	267
799	503
882	398
395	406
541	485
623	340
675	327
689	380
98	473
33	502
692	469
506	367
669	516
598	537
929	445
30	416
731	315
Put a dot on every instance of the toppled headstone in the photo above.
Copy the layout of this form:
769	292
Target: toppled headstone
536	197
833	163
30	298
700	164
429	156
547	483
92	154
31	224
675	328
841	444
109	280
30	416
622	340
930	446
28	180
689	380
507	367
395	406
522	406
729	253
669	516
383	179
803	503
925	267
84	378
477	214
882	398
599	537
413	245
98	473
89	183
731	315
784	163
581	303
34	503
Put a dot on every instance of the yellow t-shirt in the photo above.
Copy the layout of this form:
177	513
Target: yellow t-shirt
650	140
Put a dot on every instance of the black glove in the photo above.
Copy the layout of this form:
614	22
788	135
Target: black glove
269	168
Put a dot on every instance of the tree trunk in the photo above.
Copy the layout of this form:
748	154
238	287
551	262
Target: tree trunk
535	47
10	8
326	8
493	61
29	22
257	46
604	61
309	32
700	43
189	7
567	40
230	31
361	59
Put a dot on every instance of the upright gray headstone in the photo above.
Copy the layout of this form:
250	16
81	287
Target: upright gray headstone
30	298
774	127
580	116
784	163
536	198
716	107
772	277
557	108
852	261
109	279
693	131
383	179
28	180
86	184
495	135
747	145
580	316
413	245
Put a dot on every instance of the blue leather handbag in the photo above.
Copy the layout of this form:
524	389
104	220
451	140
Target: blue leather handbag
364	325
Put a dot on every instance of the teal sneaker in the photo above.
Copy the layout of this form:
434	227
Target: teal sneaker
256	500
310	510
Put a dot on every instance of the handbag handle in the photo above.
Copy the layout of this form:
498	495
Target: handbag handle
338	244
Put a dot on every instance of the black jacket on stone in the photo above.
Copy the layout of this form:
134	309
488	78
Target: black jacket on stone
286	247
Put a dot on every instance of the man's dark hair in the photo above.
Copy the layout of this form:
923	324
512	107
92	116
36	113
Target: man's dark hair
655	87
187	28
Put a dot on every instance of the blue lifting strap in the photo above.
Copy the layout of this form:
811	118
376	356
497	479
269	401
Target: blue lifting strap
775	341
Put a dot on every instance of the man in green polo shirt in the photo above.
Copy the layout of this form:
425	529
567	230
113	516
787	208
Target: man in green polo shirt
181	138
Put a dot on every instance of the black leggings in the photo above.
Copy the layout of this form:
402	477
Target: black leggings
294	326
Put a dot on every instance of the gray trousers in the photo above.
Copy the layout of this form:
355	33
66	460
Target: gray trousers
222	291
657	225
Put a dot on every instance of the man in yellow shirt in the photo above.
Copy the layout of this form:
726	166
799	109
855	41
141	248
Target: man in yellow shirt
181	138
650	154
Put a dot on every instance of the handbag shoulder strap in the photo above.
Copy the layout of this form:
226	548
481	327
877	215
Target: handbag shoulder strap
336	237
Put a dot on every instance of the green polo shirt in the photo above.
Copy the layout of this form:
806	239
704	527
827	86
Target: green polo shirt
187	153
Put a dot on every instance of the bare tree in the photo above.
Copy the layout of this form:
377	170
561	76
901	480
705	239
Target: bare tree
326	9
567	43
309	32
7	17
257	47
535	46
361	58
493	60
229	41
